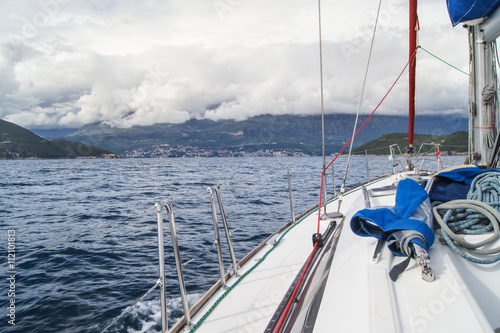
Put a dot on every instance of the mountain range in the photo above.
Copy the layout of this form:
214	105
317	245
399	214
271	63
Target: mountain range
264	135
288	134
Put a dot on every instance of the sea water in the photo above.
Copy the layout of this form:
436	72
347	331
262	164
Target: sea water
84	284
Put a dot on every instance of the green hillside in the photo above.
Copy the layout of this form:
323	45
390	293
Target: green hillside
456	142
17	142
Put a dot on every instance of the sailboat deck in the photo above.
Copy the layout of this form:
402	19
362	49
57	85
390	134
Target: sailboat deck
359	295
250	306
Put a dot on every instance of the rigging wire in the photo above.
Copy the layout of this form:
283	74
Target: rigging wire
373	112
321	79
342	189
440	59
363	125
322	94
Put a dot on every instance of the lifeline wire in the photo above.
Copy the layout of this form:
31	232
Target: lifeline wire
208	248
196	196
130	307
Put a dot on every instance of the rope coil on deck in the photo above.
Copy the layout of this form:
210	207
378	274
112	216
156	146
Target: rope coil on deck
477	215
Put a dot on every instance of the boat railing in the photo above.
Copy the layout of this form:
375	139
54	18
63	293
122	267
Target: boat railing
178	264
166	207
426	152
394	156
436	153
215	195
159	283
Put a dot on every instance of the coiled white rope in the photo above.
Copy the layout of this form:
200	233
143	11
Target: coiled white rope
478	215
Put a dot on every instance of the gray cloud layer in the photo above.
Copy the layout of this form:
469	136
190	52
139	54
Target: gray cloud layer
66	63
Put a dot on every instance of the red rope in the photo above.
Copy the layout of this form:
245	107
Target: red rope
355	134
290	301
321	189
376	108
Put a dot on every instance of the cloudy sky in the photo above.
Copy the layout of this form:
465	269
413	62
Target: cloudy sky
65	63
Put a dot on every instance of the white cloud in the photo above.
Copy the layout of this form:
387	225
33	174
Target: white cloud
66	63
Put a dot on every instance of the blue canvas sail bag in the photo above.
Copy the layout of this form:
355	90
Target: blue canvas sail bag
409	221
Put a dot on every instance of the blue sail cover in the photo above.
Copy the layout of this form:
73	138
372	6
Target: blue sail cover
466	10
382	222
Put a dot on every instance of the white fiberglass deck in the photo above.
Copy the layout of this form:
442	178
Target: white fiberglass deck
249	306
359	295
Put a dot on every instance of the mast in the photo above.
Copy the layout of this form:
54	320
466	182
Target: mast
483	106
482	19
413	27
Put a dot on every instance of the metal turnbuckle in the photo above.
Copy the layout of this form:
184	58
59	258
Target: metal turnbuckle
423	259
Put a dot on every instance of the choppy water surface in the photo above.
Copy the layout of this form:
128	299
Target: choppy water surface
84	284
